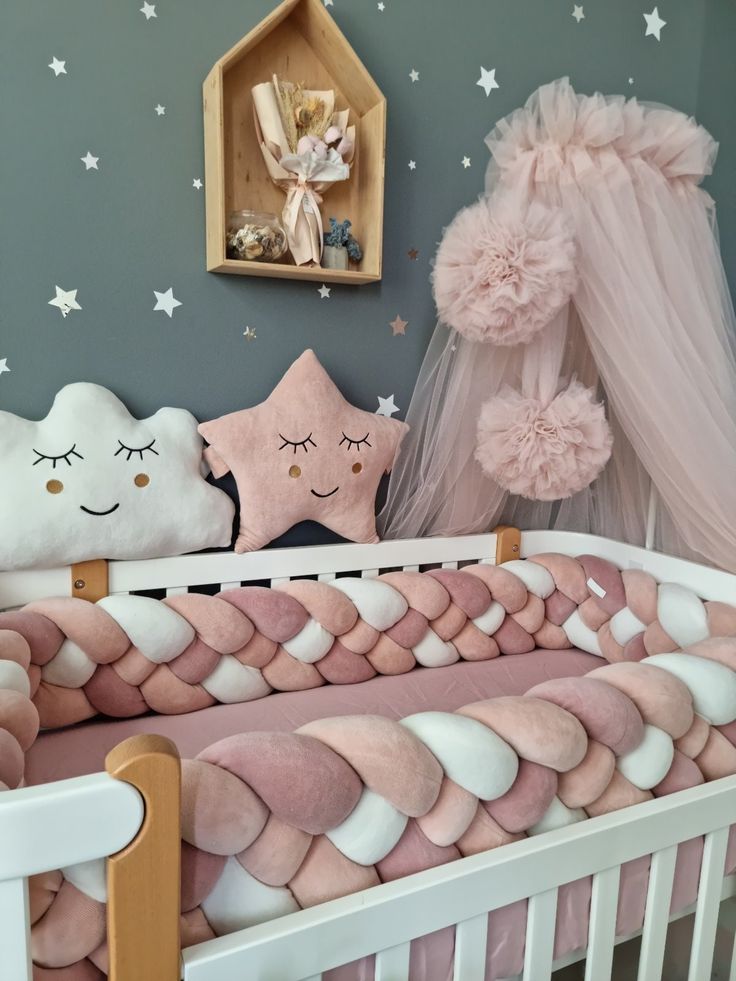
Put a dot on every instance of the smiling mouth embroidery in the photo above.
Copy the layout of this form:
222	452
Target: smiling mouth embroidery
317	494
99	514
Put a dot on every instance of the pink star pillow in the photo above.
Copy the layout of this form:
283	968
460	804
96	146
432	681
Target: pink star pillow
305	453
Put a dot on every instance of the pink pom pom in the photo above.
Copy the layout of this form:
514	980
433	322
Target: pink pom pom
544	452
501	278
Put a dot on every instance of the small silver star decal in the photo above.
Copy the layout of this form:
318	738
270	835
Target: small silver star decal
197	184
654	24
414	75
466	162
324	292
57	67
65	300
160	110
249	333
149	10
487	80
166	301
90	162
387	406
412	165
578	13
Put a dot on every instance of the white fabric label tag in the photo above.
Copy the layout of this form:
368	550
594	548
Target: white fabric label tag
598	590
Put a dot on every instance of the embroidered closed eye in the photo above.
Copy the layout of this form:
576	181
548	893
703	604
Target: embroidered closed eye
357	443
131	451
66	457
295	443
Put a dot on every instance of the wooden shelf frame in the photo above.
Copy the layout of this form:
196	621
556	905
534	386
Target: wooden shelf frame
300	42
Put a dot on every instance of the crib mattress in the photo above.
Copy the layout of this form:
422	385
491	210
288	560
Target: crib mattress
80	749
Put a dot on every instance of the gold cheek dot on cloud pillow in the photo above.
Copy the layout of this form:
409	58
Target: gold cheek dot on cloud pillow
90	481
304	454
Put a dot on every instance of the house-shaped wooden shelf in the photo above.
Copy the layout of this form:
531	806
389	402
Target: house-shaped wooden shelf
299	42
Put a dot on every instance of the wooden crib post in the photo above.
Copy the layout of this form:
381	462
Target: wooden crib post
508	543
143	880
90	580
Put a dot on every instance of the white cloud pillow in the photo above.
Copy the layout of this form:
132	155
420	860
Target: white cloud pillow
89	481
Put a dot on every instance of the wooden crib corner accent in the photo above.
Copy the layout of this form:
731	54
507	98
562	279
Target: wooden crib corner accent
143	880
508	543
90	580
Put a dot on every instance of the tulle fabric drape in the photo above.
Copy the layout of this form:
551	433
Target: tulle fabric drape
651	323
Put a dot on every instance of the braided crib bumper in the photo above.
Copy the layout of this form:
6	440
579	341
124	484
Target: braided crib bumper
127	654
274	822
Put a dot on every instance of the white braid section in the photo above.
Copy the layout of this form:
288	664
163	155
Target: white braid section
153	627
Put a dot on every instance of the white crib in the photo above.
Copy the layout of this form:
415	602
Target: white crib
85	818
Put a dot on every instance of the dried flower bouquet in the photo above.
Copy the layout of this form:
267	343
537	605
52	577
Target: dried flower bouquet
307	145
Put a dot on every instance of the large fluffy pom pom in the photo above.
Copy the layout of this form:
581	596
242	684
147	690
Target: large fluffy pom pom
544	452
501	277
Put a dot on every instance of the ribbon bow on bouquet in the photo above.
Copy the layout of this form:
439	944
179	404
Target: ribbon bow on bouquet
307	146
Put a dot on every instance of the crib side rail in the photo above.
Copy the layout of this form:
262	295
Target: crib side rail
205	568
129	816
51	827
385	920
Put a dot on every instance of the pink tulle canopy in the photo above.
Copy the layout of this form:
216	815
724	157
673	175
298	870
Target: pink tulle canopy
589	272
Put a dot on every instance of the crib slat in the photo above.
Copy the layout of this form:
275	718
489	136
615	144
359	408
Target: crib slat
411	568
656	917
540	936
393	964
15	933
369	573
602	925
176	590
471	937
229	585
449	565
326	577
709	900
279	580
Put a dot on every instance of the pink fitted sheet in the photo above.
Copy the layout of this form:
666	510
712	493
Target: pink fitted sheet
82	748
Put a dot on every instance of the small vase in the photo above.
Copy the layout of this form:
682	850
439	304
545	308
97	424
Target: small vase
335	257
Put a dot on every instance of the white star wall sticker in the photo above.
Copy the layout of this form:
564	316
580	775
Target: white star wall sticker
466	162
324	292
414	75
487	80
166	301
160	110
65	300
3	366
57	67
148	10
197	184
578	13
387	406
90	162
654	24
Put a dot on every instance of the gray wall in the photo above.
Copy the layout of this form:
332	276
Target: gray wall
136	225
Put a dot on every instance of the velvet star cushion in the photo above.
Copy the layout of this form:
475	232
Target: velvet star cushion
91	482
305	453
